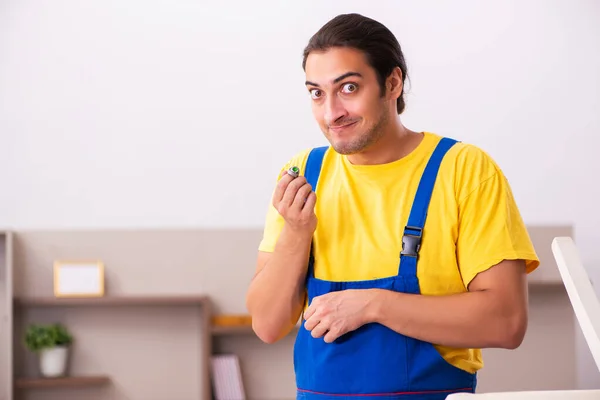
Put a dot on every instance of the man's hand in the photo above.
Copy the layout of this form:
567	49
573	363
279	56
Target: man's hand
334	314
295	201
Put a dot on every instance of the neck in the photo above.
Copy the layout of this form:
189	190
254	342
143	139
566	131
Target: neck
395	143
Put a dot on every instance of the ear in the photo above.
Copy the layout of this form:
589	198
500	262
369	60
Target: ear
394	84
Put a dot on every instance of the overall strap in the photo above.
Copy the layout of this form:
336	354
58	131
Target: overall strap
413	232
313	166
311	173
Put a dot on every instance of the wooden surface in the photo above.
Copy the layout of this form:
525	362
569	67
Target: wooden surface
81	381
232	330
243	328
232	320
112	301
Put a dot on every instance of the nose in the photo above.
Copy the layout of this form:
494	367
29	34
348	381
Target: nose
334	110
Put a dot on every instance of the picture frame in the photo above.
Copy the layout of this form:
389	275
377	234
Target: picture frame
81	278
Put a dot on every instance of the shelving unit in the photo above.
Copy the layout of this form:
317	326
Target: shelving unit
117	302
122	339
68	382
242	328
12	385
17	378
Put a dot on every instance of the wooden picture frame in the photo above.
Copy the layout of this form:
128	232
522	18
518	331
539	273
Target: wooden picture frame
78	279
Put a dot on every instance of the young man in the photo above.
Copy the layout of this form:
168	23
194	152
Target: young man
403	252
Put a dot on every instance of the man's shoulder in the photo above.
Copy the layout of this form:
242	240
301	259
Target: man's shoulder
469	159
469	167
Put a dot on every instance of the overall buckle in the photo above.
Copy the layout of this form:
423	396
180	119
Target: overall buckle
411	243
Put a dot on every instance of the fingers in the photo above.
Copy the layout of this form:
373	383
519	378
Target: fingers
331	336
292	190
281	187
295	200
312	307
310	323
323	327
308	313
324	320
319	330
302	196
315	324
309	204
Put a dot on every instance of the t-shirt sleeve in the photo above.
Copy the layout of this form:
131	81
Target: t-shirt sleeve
274	221
490	227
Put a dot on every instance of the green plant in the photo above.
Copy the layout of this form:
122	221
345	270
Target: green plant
40	337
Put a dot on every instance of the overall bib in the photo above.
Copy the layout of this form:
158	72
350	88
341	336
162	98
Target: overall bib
375	362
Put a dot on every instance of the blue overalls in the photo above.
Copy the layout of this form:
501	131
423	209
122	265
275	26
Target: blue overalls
375	362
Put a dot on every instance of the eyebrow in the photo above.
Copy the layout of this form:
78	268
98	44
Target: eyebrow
336	80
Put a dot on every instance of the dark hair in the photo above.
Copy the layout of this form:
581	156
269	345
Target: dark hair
379	44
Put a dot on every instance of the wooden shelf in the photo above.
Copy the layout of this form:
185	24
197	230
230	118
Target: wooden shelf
81	381
112	301
232	330
227	324
238	330
546	284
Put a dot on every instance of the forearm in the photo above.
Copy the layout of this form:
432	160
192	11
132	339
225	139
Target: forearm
276	294
467	320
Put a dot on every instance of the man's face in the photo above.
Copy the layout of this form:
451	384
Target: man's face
346	98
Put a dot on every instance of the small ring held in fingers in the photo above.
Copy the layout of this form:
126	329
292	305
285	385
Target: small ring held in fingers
294	172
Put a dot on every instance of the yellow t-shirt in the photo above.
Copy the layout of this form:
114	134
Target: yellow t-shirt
473	222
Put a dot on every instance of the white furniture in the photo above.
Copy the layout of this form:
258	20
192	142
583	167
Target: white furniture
586	305
581	292
531	395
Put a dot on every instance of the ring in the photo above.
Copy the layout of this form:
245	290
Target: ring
294	171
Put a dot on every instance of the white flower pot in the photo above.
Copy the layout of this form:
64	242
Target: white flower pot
53	362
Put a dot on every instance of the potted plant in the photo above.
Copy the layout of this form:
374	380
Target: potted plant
51	342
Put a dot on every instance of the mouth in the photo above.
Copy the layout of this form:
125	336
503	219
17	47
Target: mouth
341	128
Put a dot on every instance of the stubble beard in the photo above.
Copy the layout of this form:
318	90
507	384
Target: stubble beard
364	140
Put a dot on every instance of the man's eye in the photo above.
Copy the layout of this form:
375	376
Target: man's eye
315	93
349	88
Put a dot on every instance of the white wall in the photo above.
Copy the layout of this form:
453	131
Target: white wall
148	114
